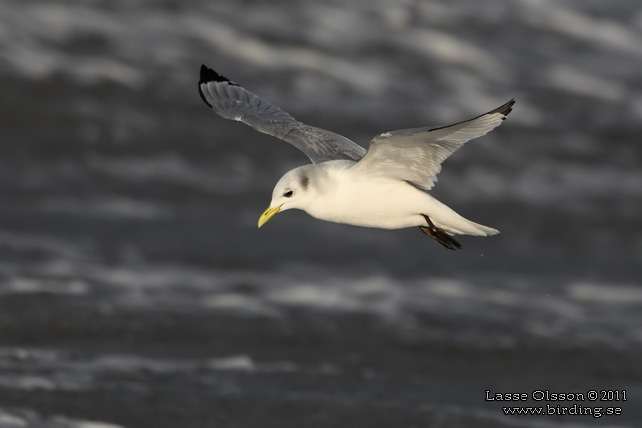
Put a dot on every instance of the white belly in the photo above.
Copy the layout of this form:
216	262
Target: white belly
373	202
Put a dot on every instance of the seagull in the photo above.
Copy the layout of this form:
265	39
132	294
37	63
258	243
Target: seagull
384	187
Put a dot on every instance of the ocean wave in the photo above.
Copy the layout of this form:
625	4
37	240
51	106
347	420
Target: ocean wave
532	308
29	418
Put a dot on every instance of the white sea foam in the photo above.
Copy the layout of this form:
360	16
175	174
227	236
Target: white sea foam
535	301
27	382
108	207
607	294
64	249
23	285
579	24
90	424
29	418
335	34
67	372
68	422
8	420
573	79
233	363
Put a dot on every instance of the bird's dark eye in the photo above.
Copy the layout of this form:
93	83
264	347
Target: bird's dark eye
288	194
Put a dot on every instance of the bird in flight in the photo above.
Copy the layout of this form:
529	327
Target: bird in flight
384	187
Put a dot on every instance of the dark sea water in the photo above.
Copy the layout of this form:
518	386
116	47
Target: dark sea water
137	291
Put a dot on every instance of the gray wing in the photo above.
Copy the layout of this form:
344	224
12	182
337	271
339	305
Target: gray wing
415	155
232	101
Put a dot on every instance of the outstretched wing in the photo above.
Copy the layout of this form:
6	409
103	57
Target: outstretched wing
232	101
415	155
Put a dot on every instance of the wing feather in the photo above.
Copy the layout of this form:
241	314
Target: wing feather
415	155
231	101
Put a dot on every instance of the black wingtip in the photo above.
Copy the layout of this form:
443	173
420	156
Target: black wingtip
209	75
204	71
505	109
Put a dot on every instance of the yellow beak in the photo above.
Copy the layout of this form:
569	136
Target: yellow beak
268	214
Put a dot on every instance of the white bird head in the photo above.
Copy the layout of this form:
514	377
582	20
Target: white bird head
293	191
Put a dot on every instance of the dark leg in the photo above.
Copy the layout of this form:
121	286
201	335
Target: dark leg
439	235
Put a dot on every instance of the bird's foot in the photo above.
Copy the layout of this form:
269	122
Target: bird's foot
439	235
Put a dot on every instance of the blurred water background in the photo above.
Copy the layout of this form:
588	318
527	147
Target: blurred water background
136	290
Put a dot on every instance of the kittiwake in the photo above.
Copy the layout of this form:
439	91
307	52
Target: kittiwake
384	187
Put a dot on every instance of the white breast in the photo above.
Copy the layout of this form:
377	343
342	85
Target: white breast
369	201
